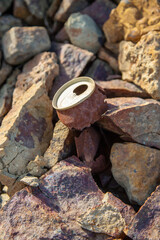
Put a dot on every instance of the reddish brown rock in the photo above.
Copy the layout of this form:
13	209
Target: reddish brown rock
5	70
62	36
146	224
120	88
107	57
134	119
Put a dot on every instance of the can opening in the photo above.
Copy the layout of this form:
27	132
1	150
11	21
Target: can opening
80	89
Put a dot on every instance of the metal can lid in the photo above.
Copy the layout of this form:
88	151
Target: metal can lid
73	93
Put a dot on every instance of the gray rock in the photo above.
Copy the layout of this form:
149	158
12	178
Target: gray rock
21	43
7	22
37	7
5	70
4	5
84	32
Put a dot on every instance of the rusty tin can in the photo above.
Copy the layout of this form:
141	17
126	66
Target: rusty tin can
79	103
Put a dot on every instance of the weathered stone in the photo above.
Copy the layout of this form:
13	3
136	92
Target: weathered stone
43	67
134	119
37	7
4	5
107	57
20	9
113	47
136	168
72	62
62	36
146	224
140	63
36	167
68	7
131	19
30	181
102	7
53	8
6	92
4	198
7	22
21	43
5	70
99	70
83	32
120	88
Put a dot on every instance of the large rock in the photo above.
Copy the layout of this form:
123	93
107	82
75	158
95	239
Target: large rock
140	63
7	22
133	119
37	7
131	19
146	224
21	43
5	70
4	5
136	168
84	32
68	7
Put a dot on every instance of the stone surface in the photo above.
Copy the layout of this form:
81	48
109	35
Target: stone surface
102	7
21	43
146	223
37	166
140	63
7	22
4	5
37	7
68	7
83	32
136	168
134	119
103	54
62	36
131	19
4	198
30	181
42	68
99	70
53	8
120	88
65	192
72	62
5	70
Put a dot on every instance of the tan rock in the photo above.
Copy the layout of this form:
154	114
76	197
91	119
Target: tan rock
37	166
140	63
104	55
136	168
5	70
133	119
30	181
21	43
4	198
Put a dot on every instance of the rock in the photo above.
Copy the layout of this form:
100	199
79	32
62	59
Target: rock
146	223
62	36
5	71
53	8
136	168
68	7
4	5
30	181
4	198
21	43
113	47
72	62
132	19
138	65
66	191
102	7
120	88
6	92
7	22
134	119
99	70
83	32
37	7
43	67
37	166
107	57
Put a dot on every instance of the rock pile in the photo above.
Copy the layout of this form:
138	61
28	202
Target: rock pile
100	182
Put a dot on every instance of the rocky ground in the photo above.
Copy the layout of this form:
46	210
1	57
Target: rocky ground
100	183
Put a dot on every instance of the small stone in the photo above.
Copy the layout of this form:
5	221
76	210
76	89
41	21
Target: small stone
21	43
4	198
4	5
68	7
5	71
120	88
53	8
84	32
7	22
133	119
136	168
62	36
99	70
138	65
30	181
146	223
107	57
37	7
36	167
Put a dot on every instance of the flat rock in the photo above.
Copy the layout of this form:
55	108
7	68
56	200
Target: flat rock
146	223
4	5
133	119
72	62
21	43
102	7
37	7
7	22
83	32
120	88
5	70
68	7
99	70
138	65
136	168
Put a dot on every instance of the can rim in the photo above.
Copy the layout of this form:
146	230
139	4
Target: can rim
66	85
